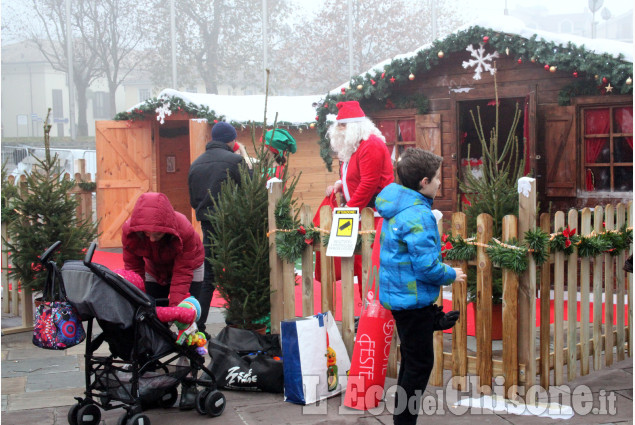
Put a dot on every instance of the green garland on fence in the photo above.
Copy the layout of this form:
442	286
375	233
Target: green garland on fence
512	255
87	186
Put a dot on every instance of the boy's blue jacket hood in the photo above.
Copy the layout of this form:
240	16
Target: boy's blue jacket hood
411	269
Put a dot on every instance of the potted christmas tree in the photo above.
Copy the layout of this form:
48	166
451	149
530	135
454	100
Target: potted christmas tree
495	193
42	213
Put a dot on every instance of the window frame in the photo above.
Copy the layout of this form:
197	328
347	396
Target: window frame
611	136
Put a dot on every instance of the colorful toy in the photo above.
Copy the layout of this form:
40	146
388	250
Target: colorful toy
187	329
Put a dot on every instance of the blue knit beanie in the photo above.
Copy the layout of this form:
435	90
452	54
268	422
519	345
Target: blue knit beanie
223	132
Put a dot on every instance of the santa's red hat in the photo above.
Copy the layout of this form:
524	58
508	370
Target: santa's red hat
349	112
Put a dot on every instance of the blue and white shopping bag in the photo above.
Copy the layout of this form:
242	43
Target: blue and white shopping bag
315	359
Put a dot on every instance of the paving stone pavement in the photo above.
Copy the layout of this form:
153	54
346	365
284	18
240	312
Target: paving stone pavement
39	386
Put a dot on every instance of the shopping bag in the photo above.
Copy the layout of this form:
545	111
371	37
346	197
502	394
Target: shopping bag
316	362
244	360
57	324
365	388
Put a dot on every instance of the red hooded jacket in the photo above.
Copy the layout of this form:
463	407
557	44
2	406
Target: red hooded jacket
172	259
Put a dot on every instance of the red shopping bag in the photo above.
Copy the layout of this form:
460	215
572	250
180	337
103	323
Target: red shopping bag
365	387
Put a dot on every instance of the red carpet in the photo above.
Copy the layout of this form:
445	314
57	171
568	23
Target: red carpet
115	261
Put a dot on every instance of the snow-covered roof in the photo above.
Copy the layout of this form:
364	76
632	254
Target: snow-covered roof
515	26
290	109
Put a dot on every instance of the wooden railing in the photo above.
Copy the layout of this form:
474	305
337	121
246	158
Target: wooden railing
13	300
518	364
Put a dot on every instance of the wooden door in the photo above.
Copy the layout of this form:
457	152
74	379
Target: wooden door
125	154
560	150
428	137
200	134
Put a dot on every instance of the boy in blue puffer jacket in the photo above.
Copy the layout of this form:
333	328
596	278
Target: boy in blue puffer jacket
411	272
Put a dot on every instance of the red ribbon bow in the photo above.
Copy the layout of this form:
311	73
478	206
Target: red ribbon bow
567	233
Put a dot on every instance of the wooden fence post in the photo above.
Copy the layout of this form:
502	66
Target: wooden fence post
558	306
484	226
306	218
510	314
6	294
368	225
572	300
459	302
326	263
585	283
527	288
630	287
609	261
598	218
545	297
621	289
275	276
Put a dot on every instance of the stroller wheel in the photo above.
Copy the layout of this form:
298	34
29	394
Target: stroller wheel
139	419
200	401
72	414
215	403
169	398
88	415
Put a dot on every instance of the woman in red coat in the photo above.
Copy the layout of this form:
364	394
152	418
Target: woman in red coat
161	245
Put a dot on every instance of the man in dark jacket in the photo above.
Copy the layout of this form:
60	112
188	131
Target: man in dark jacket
207	173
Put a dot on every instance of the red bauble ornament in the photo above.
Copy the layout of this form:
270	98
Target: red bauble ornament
605	80
547	67
520	61
383	74
317	118
343	90
372	82
485	39
326	105
392	79
575	74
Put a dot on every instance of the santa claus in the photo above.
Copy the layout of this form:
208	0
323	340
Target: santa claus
365	168
365	163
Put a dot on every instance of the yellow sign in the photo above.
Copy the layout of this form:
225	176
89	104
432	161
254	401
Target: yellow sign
345	227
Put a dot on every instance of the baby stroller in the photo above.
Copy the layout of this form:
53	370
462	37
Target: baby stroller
145	366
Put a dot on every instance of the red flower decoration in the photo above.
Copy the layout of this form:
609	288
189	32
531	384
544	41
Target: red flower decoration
568	232
567	243
302	230
389	104
445	237
308	241
392	79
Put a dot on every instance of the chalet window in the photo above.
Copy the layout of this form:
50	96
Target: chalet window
100	104
399	134
144	94
607	149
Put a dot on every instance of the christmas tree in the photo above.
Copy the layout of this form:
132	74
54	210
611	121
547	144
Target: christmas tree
240	245
43	213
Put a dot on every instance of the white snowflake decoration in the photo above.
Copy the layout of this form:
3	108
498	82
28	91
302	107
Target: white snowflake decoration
481	60
162	111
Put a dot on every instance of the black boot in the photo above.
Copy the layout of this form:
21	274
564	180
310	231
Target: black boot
443	321
188	397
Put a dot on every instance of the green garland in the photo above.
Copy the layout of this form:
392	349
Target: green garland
87	186
147	110
377	88
512	255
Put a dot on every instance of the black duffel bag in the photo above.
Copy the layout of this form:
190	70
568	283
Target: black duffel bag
245	360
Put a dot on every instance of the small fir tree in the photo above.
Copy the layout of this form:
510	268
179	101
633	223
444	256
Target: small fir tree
42	214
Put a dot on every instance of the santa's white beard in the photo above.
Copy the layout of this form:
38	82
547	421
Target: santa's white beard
344	143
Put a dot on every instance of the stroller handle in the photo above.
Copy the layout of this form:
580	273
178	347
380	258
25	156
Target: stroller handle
89	254
44	257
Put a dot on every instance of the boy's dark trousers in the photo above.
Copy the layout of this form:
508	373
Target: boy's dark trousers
415	331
